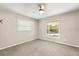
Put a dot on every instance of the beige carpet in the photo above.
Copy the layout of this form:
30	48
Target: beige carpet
40	48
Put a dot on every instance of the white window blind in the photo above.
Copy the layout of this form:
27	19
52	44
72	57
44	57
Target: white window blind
24	25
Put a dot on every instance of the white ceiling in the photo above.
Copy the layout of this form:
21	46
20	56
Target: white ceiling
31	9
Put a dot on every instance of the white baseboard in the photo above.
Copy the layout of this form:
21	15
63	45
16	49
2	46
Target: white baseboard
16	44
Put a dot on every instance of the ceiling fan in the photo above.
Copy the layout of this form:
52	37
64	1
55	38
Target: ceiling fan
41	8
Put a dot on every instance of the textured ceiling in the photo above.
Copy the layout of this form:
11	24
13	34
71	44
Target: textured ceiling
31	9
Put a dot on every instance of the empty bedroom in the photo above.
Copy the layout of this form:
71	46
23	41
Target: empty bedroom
39	29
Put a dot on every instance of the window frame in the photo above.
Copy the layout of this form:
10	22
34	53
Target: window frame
53	35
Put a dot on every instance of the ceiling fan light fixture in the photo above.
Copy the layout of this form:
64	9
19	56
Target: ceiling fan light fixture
41	8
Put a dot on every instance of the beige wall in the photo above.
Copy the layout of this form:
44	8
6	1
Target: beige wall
69	28
9	36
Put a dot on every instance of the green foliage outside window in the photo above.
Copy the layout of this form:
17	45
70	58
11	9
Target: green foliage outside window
53	28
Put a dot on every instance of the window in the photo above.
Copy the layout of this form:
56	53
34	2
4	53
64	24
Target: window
53	28
24	25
